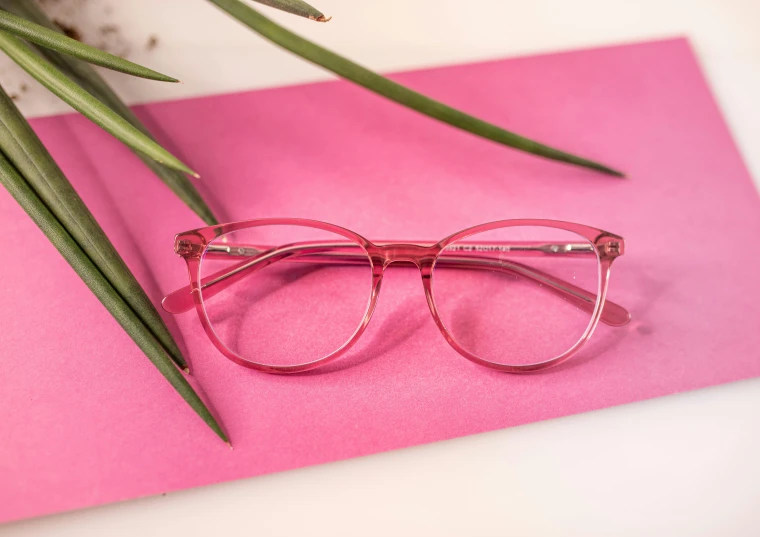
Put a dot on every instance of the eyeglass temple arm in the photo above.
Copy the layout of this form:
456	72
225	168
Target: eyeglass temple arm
612	314
181	300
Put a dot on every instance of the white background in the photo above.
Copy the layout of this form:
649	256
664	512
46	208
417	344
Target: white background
681	465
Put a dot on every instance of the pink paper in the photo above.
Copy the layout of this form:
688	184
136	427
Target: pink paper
88	420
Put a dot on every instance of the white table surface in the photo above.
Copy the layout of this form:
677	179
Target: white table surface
681	465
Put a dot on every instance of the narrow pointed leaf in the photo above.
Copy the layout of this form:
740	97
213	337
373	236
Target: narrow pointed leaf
84	75
83	266
296	7
394	91
28	155
53	40
83	102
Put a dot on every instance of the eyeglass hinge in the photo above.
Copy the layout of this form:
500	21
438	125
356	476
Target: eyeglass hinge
186	248
613	248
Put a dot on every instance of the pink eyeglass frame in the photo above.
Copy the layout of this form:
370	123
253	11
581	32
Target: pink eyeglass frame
192	245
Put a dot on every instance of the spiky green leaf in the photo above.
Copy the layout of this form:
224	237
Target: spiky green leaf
395	91
71	93
56	41
28	155
99	285
84	75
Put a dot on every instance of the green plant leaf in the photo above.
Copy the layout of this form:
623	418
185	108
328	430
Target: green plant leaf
84	75
296	7
83	266
28	155
54	40
83	102
394	91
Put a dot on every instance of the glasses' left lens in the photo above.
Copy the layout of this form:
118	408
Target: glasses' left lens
285	295
517	295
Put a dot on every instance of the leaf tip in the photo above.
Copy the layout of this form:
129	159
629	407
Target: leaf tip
186	370
609	171
229	444
166	78
320	18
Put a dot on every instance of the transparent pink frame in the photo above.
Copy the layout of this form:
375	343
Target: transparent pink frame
192	245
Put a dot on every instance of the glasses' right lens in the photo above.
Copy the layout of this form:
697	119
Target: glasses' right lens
517	295
284	295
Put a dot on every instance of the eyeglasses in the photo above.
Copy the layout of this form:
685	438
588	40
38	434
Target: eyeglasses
287	295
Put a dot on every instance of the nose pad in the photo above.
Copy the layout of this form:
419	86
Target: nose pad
419	256
422	257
